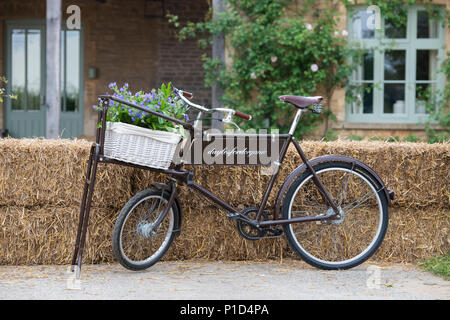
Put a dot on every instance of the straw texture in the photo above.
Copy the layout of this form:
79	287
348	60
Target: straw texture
41	184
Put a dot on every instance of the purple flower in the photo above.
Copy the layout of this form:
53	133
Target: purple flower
122	89
112	84
137	94
94	107
133	119
126	85
186	118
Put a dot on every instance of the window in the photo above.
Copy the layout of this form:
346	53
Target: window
70	70
26	67
397	72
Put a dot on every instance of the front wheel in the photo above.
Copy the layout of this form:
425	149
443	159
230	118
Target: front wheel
137	244
348	240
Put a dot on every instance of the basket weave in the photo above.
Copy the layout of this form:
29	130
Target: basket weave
150	148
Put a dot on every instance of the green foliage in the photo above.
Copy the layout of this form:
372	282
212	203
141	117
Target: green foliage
411	138
162	101
439	108
2	90
439	266
272	54
355	138
330	135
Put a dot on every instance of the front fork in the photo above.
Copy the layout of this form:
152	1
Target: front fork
172	188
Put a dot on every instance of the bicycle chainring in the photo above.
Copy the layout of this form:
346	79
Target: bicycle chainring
247	230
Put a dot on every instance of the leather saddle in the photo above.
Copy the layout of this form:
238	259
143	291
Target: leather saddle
299	101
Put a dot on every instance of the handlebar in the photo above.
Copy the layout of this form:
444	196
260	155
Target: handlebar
242	115
184	95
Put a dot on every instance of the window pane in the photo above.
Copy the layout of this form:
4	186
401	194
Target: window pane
394	98
368	98
72	69
425	97
33	69
426	28
362	99
62	73
18	69
361	24
394	65
394	31
368	66
426	64
365	69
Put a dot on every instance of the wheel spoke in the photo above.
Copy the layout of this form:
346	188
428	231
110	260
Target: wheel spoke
136	245
346	240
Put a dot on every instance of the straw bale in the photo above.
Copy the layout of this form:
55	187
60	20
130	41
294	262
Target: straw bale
41	183
417	172
46	235
52	172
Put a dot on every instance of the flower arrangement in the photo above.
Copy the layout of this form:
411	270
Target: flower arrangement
162	100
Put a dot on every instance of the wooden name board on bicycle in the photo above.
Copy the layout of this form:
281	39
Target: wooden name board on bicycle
234	149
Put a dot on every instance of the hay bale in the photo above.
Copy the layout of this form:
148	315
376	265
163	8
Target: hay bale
36	172
41	184
46	235
417	172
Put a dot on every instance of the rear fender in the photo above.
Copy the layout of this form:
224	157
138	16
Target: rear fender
358	166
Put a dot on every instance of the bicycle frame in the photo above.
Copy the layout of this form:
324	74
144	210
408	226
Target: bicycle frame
183	176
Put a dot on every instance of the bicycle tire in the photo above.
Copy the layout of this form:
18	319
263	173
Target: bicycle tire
173	217
305	248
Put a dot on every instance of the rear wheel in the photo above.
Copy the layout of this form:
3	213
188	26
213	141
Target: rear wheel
137	244
348	240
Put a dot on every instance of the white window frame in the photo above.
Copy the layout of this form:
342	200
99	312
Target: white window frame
410	44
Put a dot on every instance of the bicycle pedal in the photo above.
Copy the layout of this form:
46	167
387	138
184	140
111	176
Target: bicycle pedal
233	216
274	231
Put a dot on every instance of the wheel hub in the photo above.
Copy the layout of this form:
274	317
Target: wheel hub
337	219
145	229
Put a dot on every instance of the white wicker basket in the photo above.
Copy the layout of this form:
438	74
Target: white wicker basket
150	148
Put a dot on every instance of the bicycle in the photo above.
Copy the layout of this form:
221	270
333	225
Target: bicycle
332	209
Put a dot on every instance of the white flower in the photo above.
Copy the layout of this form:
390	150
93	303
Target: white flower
308	26
336	33
274	59
314	67
253	75
344	33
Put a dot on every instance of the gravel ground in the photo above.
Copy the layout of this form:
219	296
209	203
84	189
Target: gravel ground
289	280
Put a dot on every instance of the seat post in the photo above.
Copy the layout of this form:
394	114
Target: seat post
295	122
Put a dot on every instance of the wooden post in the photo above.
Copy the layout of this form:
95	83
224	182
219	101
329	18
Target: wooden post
218	52
53	69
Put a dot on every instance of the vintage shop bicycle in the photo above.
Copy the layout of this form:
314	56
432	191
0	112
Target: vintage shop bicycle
332	209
